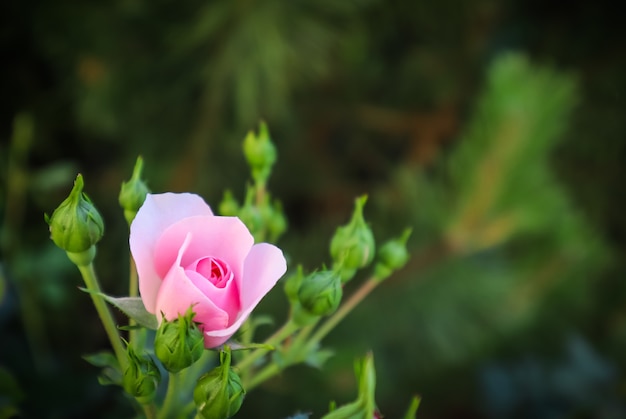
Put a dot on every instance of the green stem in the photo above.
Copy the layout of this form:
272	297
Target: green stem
287	329
149	410
272	369
302	344
91	281
260	193
343	311
266	373
172	396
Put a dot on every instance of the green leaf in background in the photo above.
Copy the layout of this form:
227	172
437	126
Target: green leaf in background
11	395
111	373
501	165
3	285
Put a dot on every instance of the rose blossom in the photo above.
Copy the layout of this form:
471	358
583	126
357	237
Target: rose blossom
186	256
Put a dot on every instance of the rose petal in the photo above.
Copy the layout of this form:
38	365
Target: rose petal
178	293
225	238
226	298
263	267
156	214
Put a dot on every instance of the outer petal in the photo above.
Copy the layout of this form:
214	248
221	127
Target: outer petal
263	267
157	213
177	293
225	238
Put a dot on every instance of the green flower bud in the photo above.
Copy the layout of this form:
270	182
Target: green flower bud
352	247
219	393
179	343
141	377
76	225
392	256
133	192
320	293
229	207
260	153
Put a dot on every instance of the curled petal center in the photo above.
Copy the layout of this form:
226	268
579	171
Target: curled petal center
216	271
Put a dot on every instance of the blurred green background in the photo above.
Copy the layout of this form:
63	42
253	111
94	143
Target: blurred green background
496	129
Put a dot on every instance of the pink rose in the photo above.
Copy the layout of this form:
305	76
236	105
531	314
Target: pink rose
187	256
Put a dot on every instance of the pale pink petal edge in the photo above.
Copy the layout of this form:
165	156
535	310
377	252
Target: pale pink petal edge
157	213
263	267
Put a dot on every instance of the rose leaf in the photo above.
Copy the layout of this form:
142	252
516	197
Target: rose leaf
131	306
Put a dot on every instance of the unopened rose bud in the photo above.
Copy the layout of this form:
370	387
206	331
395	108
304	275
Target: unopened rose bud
133	192
320	293
141	377
219	393
76	225
179	343
229	207
260	153
352	247
392	256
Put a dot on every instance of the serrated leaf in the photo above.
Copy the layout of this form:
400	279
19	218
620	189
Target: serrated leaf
131	306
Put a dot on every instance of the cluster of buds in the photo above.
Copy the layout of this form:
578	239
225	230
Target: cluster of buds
179	343
263	217
76	226
219	393
259	213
